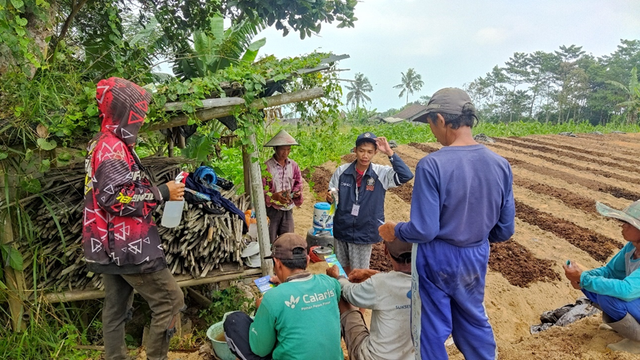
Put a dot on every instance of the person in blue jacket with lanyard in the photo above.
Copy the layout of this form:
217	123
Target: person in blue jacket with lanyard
361	187
615	288
462	200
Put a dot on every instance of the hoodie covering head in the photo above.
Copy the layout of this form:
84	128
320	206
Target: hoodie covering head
119	234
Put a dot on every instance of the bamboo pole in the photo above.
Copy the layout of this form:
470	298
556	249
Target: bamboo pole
257	197
246	165
78	295
14	279
206	103
222	111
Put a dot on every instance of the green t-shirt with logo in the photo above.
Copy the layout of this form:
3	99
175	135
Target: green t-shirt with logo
301	319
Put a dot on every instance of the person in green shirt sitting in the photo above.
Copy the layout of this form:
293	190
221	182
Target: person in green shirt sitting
298	319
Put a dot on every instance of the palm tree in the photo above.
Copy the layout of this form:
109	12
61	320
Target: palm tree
411	81
357	90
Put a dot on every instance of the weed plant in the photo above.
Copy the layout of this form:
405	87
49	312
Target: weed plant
227	300
53	332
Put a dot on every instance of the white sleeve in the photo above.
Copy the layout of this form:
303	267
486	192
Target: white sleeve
335	178
387	176
361	295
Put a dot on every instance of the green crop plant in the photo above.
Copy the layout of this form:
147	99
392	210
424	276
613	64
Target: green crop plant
227	300
521	128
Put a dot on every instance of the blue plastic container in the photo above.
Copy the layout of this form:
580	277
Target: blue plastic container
322	218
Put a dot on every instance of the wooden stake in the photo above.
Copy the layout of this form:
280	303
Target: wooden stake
13	279
257	196
246	165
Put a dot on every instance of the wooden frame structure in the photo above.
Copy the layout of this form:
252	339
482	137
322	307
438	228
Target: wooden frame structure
17	295
212	109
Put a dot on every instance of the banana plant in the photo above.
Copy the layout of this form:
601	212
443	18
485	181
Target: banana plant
218	48
632	92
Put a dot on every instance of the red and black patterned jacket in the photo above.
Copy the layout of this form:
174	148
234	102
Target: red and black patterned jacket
119	234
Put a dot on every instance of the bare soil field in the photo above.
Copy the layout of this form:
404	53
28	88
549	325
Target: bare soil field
557	181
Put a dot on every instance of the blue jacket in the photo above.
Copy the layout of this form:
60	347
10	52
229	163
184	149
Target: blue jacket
618	278
377	179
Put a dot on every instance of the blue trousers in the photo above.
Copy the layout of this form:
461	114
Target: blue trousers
614	307
451	284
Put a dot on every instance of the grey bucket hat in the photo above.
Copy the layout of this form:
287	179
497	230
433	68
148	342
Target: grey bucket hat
282	138
630	214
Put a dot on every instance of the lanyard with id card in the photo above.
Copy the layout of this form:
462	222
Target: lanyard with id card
355	209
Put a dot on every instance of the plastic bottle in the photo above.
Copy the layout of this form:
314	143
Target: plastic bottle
173	210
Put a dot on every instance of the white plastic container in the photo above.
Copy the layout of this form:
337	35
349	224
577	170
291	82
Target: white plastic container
172	213
173	210
322	218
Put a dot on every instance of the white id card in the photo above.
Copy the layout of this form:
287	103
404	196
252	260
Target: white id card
355	210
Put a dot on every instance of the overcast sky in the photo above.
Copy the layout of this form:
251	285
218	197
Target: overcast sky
453	42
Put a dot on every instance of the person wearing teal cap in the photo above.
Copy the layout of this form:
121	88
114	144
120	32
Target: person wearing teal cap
615	287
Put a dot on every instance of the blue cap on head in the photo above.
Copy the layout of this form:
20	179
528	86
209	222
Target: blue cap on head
366	137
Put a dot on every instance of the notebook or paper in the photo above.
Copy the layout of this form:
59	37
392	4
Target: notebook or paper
264	284
333	260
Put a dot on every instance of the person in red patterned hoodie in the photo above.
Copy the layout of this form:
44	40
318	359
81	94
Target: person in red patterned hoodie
120	238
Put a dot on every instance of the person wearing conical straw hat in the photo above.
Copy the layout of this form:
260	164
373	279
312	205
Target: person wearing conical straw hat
283	189
615	287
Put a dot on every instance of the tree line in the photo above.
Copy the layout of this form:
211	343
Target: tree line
553	87
563	85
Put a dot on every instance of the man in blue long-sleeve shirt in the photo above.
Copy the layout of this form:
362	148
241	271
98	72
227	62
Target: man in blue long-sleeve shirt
615	288
462	200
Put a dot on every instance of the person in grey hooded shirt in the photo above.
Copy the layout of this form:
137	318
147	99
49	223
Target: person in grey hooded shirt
388	295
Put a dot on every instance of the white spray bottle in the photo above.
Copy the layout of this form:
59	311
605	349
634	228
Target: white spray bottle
173	209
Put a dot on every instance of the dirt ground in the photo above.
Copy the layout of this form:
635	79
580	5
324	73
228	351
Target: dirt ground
557	181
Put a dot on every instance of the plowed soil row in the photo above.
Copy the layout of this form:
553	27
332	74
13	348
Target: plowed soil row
619	160
408	159
424	147
598	246
588	141
569	154
519	266
404	191
625	140
572	179
632	138
567	197
603	173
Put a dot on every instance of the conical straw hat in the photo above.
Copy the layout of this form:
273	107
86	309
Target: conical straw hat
630	214
282	138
